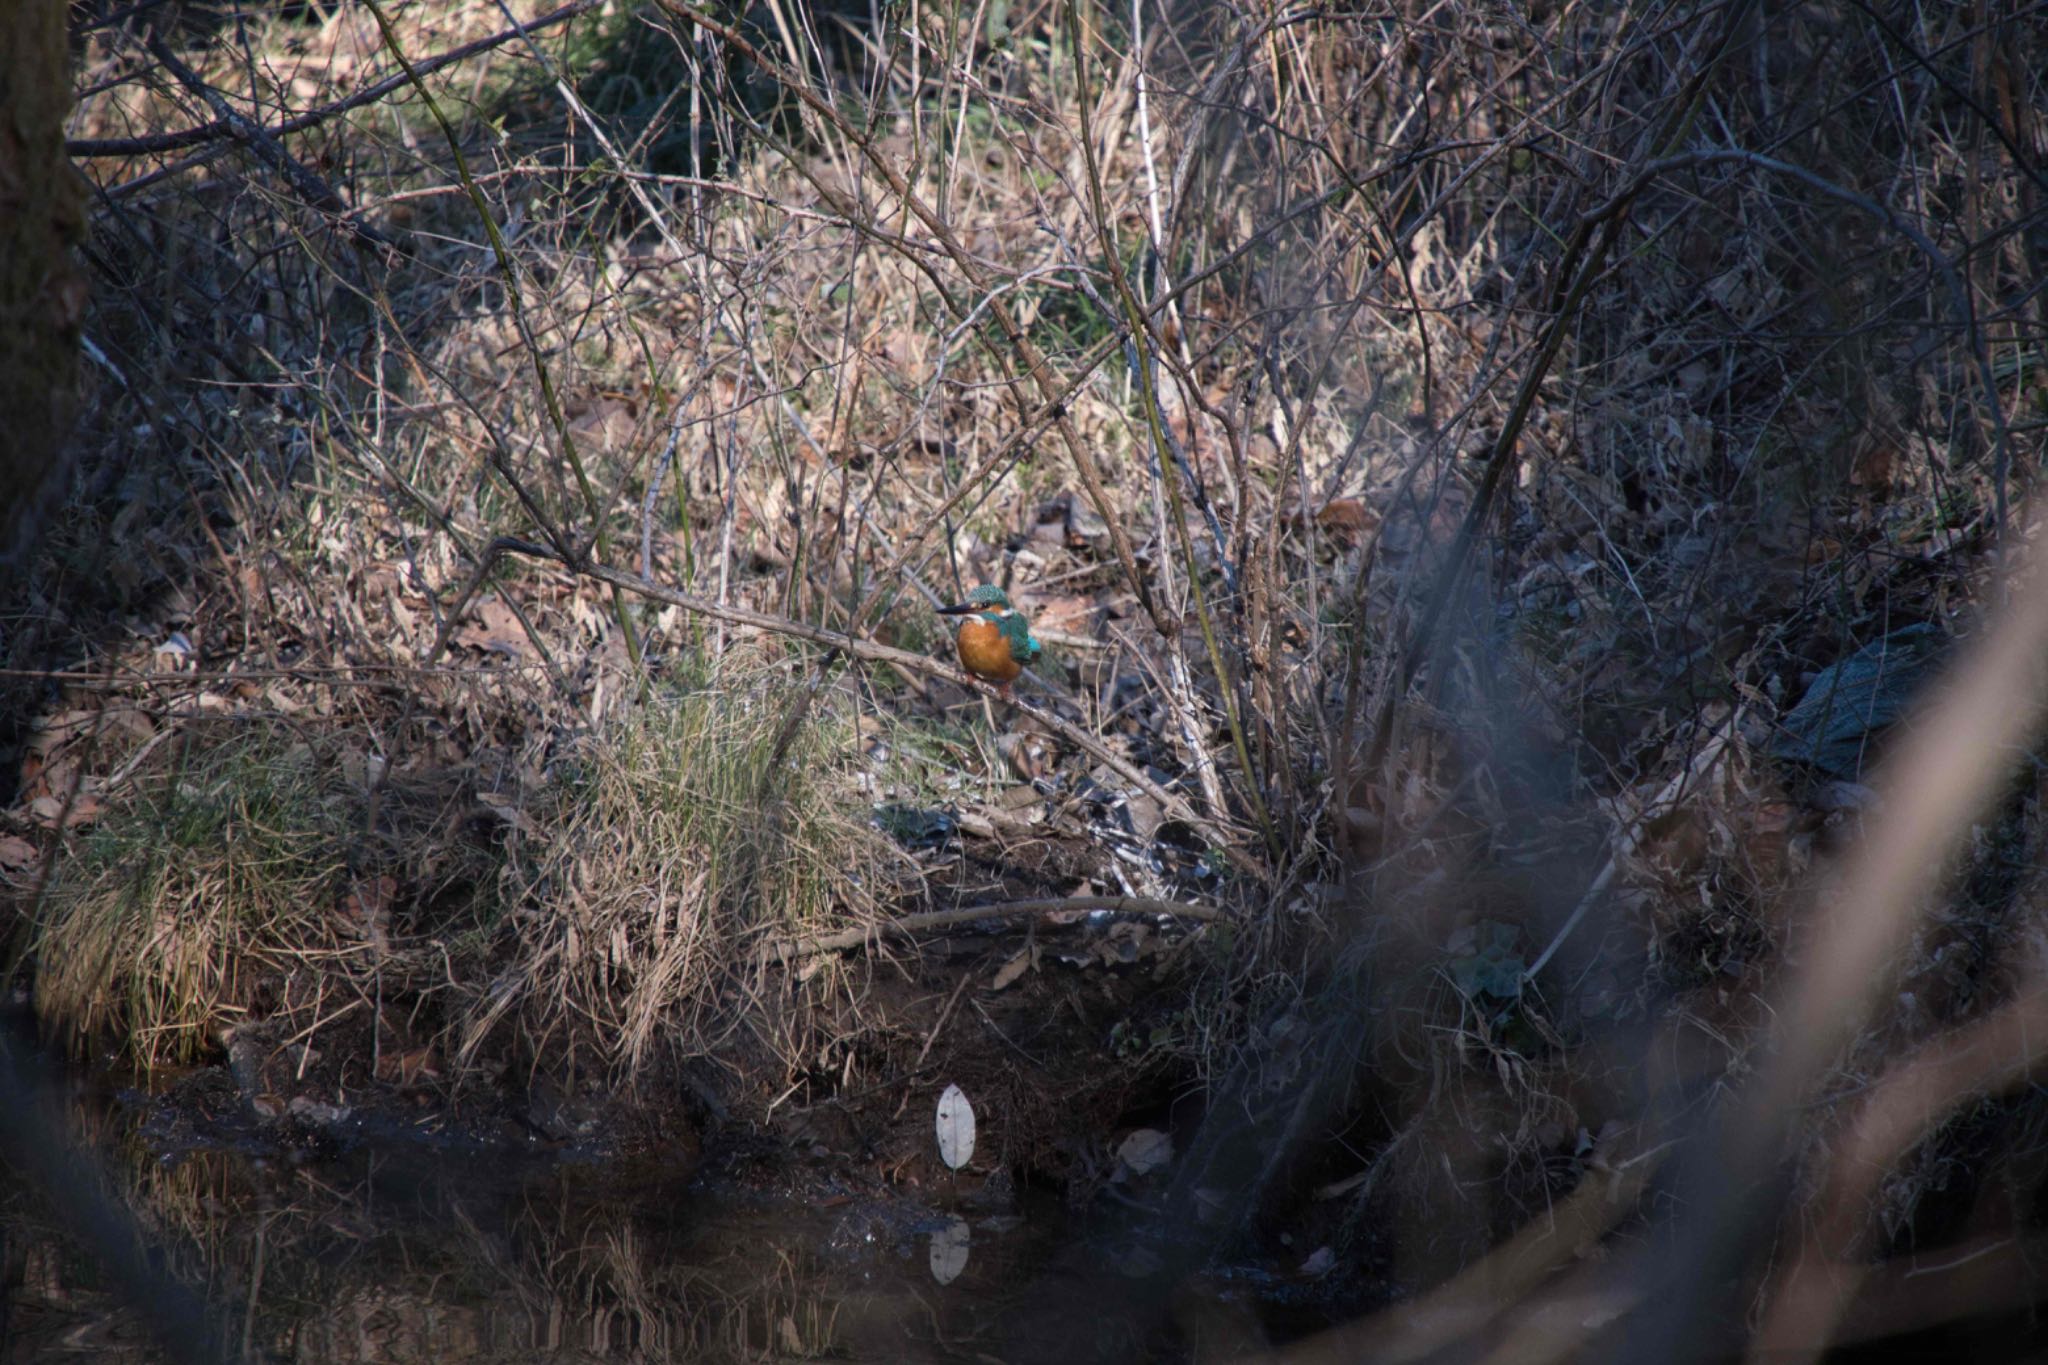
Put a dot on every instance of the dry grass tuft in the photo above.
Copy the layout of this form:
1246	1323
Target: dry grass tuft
223	868
681	834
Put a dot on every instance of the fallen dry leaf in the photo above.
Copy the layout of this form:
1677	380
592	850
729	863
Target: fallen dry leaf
51	731
367	905
493	628
16	852
1347	517
1007	974
1064	615
506	813
407	1067
48	810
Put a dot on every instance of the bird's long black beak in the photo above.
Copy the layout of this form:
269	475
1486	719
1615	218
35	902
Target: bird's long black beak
958	609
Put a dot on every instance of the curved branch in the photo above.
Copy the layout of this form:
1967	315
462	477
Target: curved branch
220	129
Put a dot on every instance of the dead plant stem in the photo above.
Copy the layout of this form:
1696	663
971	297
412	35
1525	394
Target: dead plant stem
966	979
1137	340
1018	338
1579	265
515	301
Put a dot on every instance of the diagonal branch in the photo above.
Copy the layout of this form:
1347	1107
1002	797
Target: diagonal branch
310	188
221	128
1224	838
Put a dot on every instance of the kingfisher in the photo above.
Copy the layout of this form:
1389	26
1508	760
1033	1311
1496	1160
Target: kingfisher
995	641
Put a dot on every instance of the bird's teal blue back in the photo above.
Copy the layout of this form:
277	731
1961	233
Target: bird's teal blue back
1024	646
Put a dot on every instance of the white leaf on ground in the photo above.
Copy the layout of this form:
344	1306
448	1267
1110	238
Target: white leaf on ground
955	1128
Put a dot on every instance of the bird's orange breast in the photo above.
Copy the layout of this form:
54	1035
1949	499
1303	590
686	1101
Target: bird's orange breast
985	653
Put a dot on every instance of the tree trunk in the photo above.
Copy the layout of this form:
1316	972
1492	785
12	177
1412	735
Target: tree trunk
42	284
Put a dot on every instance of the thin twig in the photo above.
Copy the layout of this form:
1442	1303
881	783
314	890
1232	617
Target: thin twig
966	979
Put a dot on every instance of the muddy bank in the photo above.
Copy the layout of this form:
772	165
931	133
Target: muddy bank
669	935
1054	1030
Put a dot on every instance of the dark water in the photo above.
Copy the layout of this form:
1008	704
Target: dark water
404	1257
125	1236
130	1245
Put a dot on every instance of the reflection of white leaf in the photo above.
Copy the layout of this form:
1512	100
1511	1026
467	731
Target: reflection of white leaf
949	1250
1145	1151
955	1128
